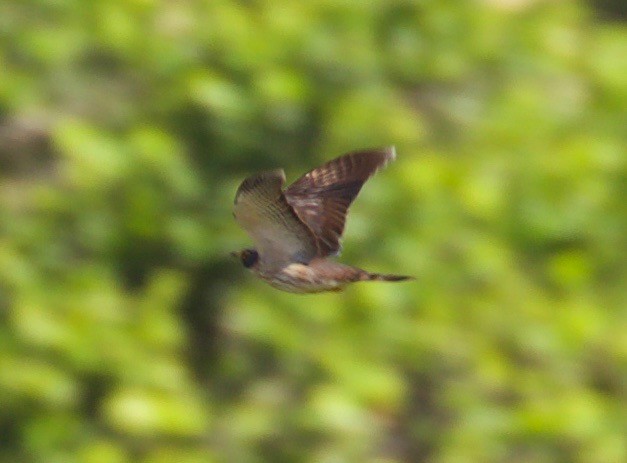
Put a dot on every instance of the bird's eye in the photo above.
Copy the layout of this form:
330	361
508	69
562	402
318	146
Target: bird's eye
249	258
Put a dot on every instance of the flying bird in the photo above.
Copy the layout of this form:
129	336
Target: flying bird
297	231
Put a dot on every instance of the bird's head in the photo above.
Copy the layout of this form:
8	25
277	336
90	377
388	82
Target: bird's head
249	257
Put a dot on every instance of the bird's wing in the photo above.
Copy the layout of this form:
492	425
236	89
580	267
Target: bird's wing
321	198
279	235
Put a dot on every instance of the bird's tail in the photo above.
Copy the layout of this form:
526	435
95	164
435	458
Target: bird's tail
367	276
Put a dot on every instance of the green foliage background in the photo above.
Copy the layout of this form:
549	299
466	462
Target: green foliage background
127	334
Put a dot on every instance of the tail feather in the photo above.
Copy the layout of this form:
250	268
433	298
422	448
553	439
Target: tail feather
384	277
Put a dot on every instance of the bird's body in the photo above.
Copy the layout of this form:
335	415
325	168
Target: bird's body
297	231
317	276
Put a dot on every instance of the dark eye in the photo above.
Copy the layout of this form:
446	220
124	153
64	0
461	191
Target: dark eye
249	258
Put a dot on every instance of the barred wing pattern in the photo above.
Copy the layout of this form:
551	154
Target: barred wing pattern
321	198
279	235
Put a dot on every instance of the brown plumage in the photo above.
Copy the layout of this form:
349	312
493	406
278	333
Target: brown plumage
296	231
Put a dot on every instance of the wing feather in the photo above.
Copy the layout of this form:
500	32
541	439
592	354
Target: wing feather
321	198
279	235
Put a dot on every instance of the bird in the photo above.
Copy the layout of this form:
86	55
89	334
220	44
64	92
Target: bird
297	231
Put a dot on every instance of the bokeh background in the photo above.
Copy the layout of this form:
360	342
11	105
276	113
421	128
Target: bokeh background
128	334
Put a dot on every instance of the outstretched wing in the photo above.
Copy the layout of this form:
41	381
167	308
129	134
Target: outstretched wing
279	235
321	198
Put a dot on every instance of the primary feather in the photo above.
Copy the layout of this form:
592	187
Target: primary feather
321	198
